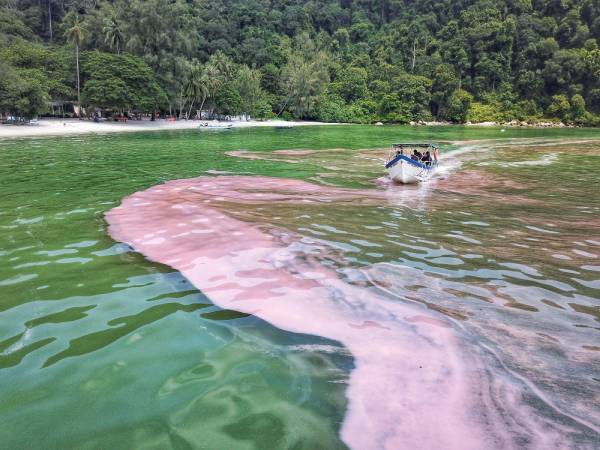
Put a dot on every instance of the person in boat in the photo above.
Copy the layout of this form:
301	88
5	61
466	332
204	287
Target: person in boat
417	155
426	159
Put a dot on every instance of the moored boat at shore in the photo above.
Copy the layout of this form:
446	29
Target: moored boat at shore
216	126
412	163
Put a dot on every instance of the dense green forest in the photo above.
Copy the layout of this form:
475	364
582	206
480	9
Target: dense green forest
331	60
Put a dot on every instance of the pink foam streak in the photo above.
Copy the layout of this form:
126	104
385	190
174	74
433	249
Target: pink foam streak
413	385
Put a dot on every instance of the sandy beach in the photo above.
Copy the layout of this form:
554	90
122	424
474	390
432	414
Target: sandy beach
60	127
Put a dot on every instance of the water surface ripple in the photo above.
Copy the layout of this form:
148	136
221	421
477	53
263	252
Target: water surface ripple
469	306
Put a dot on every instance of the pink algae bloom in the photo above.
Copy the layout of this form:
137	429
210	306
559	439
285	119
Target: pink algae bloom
415	385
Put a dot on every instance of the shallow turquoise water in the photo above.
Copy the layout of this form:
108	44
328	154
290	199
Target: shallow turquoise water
101	348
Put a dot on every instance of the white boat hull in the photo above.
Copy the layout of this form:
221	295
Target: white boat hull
407	173
215	126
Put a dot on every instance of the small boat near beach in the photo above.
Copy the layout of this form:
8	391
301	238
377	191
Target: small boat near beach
216	126
412	163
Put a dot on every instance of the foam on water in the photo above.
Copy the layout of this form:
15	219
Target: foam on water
420	380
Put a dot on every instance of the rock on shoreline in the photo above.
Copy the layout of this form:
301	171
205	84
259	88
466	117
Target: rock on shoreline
519	123
512	123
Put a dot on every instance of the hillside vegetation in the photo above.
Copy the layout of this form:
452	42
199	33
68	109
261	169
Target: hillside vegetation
346	60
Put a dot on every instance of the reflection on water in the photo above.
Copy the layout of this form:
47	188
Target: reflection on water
503	247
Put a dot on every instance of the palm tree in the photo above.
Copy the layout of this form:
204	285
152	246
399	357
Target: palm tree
113	35
223	64
74	35
197	87
213	80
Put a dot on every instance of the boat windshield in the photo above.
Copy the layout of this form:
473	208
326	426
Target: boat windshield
423	153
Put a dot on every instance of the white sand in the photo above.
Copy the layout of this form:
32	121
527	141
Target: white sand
60	127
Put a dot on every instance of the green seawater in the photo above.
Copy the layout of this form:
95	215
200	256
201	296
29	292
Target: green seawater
100	348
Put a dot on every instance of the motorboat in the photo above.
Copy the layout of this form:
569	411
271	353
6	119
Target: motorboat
412	163
216	126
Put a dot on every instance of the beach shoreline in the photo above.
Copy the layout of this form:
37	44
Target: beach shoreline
64	127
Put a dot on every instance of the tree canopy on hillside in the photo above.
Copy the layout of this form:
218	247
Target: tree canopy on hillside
351	60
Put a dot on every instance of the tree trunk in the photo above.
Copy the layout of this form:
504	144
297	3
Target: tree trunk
283	107
78	90
180	103
414	58
190	108
202	106
50	18
382	8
